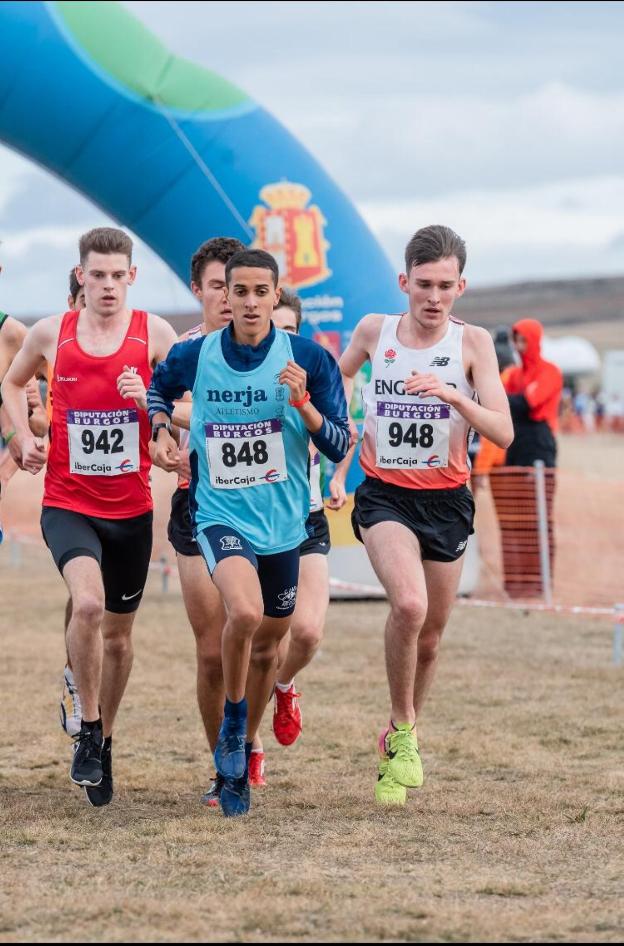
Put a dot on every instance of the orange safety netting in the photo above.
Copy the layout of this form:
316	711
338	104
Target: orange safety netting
585	537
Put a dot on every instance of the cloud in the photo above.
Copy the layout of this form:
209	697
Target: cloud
570	228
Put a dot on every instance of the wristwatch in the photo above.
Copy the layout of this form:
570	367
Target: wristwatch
158	427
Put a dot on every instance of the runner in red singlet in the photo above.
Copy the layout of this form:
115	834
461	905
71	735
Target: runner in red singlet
97	506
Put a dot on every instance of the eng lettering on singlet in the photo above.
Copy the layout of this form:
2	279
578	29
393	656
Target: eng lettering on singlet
412	435
103	443
241	455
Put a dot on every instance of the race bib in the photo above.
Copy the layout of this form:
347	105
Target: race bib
103	443
241	455
412	436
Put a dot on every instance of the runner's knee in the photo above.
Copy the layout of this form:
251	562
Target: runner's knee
264	655
307	636
88	608
209	665
409	611
244	617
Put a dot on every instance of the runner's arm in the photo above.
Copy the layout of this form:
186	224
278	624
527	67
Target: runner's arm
24	366
172	378
489	415
326	396
337	488
161	338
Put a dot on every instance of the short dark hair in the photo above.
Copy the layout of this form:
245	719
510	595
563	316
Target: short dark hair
218	248
74	285
105	240
257	259
434	243
290	300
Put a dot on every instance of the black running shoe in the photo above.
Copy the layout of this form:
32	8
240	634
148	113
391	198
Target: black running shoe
86	767
211	797
102	794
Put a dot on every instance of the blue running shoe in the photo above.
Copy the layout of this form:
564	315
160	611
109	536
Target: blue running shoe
235	797
229	754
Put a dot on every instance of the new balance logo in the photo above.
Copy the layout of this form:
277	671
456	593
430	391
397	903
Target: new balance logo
439	362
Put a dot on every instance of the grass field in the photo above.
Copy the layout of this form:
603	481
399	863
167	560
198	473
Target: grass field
516	835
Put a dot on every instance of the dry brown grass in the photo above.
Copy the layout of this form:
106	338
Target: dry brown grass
516	835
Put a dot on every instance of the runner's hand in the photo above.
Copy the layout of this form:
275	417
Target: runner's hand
184	464
337	493
130	385
15	450
295	377
165	453
354	434
33	454
428	385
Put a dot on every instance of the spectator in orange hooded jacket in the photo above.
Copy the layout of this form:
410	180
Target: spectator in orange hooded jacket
534	389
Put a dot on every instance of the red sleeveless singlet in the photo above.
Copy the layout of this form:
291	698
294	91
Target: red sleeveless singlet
98	463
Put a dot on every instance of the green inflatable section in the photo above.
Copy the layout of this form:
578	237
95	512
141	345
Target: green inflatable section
125	49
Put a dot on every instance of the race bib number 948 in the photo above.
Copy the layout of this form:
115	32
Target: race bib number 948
103	443
412	436
241	455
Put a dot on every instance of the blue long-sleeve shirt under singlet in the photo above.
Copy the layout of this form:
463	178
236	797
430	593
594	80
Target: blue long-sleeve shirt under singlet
242	379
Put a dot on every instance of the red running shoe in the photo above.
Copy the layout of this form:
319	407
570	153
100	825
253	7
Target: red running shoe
256	769
286	715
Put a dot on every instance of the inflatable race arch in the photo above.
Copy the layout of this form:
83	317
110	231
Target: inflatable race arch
178	154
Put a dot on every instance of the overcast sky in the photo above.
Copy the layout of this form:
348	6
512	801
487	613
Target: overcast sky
503	120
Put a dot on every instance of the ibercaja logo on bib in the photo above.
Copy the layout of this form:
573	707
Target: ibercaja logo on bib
126	466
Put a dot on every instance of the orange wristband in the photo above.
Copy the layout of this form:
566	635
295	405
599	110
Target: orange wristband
304	400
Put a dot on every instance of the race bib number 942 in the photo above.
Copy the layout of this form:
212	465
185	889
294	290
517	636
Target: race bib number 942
412	436
241	455
103	443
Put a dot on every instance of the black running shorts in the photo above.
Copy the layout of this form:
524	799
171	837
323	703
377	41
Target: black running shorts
180	528
441	519
278	573
318	541
122	548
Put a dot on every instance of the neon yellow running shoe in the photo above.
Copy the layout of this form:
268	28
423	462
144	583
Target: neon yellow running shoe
401	747
387	789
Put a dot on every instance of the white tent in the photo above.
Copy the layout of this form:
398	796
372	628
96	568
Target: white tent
574	355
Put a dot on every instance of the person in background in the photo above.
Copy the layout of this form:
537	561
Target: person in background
534	389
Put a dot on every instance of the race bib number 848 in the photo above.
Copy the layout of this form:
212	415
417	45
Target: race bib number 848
241	455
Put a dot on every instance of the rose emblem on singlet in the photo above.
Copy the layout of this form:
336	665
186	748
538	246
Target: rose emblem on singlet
390	356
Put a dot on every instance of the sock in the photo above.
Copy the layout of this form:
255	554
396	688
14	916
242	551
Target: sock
69	676
394	726
108	742
235	710
92	724
285	687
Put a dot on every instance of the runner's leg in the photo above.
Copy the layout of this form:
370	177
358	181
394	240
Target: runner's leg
394	553
308	620
116	664
207	617
262	668
237	581
84	580
442	579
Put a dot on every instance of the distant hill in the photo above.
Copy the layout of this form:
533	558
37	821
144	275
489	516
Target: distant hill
593	308
562	302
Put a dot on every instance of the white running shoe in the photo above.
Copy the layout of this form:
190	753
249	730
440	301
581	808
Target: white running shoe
71	710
